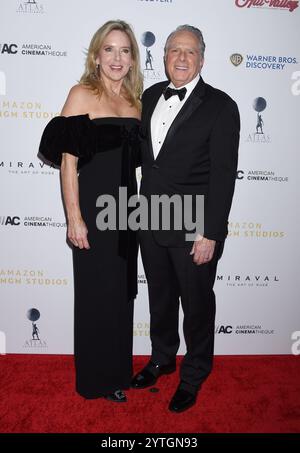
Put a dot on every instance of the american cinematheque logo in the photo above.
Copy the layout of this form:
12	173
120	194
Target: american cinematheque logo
31	221
289	5
31	49
265	176
243	329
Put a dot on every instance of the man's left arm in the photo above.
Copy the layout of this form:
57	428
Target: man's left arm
223	149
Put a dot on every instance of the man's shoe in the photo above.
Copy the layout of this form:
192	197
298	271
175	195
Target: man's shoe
116	397
149	375
182	400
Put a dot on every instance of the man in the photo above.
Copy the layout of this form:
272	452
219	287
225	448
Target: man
190	147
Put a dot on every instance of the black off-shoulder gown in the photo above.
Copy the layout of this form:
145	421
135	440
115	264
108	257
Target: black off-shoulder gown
105	276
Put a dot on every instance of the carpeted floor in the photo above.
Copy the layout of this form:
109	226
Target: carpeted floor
244	394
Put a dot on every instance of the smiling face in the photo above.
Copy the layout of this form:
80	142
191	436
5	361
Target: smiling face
115	56
183	58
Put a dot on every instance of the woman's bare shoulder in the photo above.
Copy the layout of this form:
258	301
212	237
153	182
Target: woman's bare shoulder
78	100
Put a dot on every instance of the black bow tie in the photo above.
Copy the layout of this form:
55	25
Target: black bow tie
171	92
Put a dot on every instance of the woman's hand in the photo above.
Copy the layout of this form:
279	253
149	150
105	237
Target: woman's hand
77	234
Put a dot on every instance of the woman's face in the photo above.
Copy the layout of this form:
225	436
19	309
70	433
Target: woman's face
115	58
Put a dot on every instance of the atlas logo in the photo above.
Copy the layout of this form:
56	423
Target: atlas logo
9	220
31	6
33	315
223	329
259	136
148	40
8	48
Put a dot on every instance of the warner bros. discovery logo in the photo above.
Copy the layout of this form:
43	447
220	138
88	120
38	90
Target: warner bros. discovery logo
259	135
35	341
236	59
148	40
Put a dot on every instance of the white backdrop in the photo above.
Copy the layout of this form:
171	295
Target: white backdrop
253	54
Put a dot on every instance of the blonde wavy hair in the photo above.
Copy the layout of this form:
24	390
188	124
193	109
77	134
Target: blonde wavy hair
133	81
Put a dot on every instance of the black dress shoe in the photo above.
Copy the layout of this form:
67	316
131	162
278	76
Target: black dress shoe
117	397
149	375
182	400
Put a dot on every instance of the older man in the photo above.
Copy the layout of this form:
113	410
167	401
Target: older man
190	147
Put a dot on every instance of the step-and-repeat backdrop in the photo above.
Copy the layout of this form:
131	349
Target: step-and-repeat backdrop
253	54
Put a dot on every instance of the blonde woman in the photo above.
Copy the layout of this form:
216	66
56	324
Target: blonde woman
95	143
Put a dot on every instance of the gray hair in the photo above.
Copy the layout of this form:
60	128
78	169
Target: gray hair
196	32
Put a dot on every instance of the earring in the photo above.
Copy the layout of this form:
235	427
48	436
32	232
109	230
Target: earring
98	70
96	73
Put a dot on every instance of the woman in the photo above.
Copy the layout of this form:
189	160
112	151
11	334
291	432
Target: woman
96	136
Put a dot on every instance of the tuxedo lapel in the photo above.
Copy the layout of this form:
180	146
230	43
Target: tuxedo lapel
148	114
194	101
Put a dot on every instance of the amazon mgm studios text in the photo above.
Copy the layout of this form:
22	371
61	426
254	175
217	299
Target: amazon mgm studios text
156	212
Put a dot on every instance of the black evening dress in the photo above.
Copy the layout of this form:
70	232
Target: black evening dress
105	276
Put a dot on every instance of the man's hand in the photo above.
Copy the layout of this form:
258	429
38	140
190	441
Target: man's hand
203	250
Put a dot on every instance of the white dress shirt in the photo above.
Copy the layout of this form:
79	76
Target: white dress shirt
165	112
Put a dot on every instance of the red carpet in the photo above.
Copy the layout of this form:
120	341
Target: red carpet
244	394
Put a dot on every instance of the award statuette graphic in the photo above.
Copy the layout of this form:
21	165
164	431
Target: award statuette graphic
33	315
259	105
35	342
148	39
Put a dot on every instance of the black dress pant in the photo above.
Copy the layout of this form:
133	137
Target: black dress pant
172	274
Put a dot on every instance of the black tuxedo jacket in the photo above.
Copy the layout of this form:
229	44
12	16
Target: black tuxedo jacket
199	156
